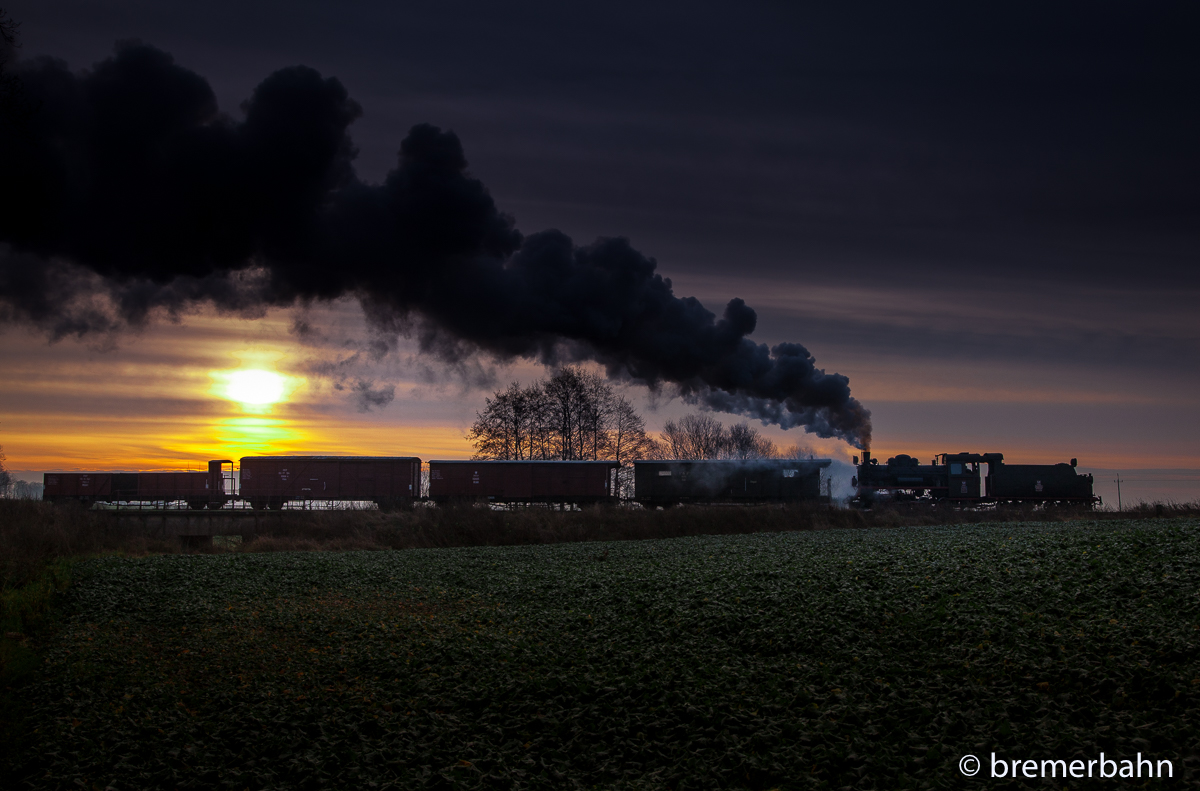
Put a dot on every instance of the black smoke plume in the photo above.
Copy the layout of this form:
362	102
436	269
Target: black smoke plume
128	192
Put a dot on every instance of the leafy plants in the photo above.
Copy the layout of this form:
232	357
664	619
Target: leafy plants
868	658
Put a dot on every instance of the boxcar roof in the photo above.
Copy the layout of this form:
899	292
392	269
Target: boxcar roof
609	462
330	458
115	472
773	462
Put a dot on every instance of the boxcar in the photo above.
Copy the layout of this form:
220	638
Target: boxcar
83	487
389	481
193	487
521	481
665	483
127	487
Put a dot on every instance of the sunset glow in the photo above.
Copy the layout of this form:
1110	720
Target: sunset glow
254	388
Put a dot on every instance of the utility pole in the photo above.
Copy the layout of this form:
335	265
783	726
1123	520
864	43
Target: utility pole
1119	508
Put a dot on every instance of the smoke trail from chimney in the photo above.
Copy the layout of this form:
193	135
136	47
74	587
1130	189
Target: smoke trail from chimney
128	193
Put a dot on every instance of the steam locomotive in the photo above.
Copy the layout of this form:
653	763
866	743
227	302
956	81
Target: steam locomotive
971	478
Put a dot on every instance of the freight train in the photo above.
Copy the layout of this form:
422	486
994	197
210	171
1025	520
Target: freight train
271	482
971	478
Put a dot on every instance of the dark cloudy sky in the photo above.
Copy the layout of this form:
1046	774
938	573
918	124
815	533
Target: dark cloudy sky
988	217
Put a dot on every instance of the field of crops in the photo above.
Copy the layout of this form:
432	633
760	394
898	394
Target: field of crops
830	659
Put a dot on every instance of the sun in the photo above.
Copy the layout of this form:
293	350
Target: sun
255	388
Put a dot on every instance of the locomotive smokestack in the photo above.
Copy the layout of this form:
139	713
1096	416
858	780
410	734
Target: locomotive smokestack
127	193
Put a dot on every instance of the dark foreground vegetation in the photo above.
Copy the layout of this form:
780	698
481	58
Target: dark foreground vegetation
867	658
33	533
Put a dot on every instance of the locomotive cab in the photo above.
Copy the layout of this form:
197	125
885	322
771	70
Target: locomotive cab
969	475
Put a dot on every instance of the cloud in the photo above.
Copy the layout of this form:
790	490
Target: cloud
132	195
367	396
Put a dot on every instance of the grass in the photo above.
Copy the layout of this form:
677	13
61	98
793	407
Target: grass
869	658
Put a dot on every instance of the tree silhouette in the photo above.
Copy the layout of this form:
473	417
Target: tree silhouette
573	415
701	436
12	103
5	475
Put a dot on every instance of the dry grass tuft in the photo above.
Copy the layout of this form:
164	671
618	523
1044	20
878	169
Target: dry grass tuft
33	532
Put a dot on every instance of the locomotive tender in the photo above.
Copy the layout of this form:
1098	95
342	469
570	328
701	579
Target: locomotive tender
972	478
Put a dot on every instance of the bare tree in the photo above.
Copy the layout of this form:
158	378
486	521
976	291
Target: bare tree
492	431
628	441
743	441
9	34
14	107
694	437
563	393
701	436
24	490
5	476
627	437
597	415
511	425
798	451
573	415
